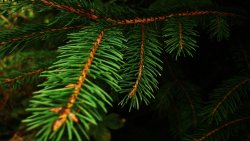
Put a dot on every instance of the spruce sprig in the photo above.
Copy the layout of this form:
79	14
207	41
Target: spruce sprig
72	97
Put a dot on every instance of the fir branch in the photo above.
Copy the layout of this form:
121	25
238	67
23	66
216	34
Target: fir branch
140	71
219	28
210	133
165	17
66	112
25	68
228	94
12	80
226	99
132	92
40	33
180	33
180	37
74	94
82	12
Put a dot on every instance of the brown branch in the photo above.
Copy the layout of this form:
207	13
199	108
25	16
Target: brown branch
93	16
228	94
132	92
11	80
82	12
163	18
40	33
180	34
66	111
208	134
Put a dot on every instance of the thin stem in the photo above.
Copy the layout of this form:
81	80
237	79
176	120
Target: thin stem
93	16
165	17
82	12
40	33
180	34
133	91
11	80
208	134
228	94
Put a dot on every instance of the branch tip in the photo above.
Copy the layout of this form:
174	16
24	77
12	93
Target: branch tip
66	111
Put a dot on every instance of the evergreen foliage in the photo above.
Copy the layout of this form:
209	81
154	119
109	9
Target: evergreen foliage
142	41
180	37
92	54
